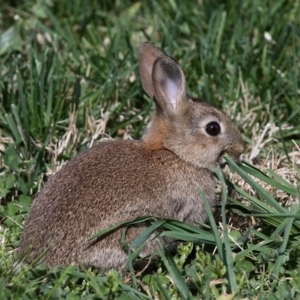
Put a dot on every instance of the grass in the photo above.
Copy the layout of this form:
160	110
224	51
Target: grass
69	78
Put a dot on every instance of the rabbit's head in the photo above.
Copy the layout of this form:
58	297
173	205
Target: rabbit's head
194	130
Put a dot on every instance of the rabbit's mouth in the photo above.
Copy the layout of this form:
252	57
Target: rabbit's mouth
236	155
233	152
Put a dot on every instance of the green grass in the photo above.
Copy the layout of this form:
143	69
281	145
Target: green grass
69	77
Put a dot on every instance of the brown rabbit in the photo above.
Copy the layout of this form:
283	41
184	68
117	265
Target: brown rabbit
116	181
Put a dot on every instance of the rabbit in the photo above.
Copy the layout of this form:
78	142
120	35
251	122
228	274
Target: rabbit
115	181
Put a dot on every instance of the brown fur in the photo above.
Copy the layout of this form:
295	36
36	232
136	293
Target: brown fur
116	181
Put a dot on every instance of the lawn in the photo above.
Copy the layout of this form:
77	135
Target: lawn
69	78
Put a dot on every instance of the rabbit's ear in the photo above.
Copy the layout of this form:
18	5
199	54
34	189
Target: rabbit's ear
148	55
162	77
169	84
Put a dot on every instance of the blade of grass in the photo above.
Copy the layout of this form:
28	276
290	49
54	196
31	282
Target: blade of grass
213	225
189	237
264	194
174	272
258	204
119	225
253	248
162	289
147	233
228	252
282	249
261	176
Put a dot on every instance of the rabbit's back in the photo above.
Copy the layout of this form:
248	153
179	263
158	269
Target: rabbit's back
110	183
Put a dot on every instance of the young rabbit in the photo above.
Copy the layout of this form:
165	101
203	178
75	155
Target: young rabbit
116	181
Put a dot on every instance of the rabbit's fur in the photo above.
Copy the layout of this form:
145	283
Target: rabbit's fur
116	181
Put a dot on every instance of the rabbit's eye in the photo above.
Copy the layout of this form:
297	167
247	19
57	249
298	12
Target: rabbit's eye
213	128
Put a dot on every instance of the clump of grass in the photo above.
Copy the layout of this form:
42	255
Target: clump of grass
69	78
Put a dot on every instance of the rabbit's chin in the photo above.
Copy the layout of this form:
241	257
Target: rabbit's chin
214	164
209	166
